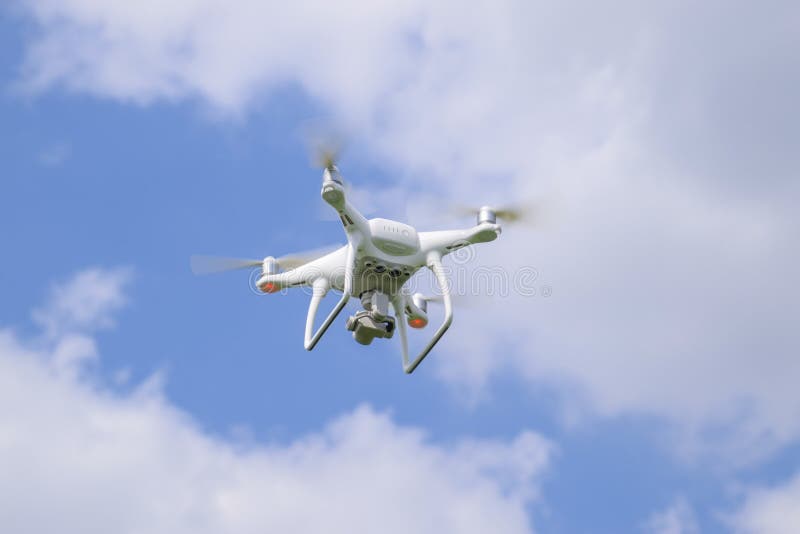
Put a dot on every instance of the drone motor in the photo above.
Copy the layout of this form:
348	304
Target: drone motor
487	214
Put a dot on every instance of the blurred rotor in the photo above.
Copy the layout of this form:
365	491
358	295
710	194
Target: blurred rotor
525	213
325	145
216	264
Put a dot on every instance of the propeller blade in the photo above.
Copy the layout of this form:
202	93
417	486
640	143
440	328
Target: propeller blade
515	213
461	210
326	158
293	261
215	264
325	145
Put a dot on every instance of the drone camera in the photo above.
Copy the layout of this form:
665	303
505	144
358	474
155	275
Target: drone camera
365	327
374	320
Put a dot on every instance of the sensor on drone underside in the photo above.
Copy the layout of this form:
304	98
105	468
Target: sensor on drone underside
374	320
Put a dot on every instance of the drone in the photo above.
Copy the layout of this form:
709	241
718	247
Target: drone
380	256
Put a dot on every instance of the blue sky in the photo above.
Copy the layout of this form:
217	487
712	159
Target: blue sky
652	392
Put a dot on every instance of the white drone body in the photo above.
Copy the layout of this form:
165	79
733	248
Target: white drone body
379	258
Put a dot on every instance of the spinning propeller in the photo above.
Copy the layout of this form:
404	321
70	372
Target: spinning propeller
517	213
326	157
216	264
325	148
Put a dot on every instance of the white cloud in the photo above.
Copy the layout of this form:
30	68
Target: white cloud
678	518
660	134
80	456
770	510
84	303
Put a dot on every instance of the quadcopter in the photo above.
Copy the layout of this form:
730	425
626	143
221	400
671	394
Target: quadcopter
380	256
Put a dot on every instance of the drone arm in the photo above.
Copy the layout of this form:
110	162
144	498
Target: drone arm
446	241
435	265
358	219
321	287
334	194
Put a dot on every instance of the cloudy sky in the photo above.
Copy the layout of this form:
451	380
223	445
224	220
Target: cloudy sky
646	379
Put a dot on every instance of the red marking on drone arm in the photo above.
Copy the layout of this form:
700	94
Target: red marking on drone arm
417	322
269	287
